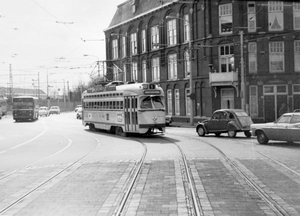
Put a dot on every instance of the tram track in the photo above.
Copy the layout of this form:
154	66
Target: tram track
20	198
190	187
273	205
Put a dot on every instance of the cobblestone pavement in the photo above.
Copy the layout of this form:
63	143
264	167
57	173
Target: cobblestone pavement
94	189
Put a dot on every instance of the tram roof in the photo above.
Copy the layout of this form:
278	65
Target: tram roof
124	87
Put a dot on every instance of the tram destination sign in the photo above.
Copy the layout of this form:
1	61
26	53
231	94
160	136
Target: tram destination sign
152	92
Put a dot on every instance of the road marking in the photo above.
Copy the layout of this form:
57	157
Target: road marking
28	141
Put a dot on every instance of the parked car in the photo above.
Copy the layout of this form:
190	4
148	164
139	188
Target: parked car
77	107
169	119
230	121
54	110
43	111
286	128
79	113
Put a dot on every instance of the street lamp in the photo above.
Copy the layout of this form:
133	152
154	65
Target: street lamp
192	94
98	63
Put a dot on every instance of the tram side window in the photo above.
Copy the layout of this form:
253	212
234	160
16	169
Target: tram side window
121	105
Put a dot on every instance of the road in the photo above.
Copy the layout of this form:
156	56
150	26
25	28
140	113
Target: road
56	166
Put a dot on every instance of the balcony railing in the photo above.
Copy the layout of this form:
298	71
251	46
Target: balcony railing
223	79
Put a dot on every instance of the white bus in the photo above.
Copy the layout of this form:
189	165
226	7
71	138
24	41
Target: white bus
129	108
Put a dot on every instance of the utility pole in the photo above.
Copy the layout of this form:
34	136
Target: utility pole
242	71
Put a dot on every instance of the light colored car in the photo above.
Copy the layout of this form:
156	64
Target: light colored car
43	111
79	113
54	110
286	128
77	107
230	121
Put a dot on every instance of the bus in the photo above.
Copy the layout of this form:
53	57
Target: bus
125	109
25	108
3	106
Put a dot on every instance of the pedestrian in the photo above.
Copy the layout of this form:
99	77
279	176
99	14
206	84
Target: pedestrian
282	109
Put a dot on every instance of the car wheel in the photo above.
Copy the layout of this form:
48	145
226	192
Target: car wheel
231	133
217	134
262	138
201	131
247	134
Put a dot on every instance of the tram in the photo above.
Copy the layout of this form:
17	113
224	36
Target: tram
123	109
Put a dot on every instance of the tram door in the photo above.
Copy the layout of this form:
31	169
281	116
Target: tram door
131	117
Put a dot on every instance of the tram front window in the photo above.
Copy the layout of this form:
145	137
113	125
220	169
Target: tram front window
152	102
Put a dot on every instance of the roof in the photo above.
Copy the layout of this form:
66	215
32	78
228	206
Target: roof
125	11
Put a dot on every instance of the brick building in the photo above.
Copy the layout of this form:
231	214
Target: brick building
239	54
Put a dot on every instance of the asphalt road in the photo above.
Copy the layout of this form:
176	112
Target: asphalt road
70	170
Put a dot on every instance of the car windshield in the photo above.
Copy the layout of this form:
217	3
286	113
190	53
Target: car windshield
152	102
43	108
284	119
241	113
22	105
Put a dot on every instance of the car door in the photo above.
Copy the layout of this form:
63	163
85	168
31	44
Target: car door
292	130
213	123
278	130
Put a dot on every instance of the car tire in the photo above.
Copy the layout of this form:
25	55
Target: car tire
262	138
201	131
247	134
231	133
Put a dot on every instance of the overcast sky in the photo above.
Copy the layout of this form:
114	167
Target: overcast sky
37	36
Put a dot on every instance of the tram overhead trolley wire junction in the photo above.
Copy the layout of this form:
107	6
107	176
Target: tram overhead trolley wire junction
123	109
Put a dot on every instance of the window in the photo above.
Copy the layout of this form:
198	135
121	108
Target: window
115	49
297	55
296	89
187	102
275	12
155	69
171	32
144	70
252	57
172	66
296	14
276	50
253	101
186	29
225	19
187	63
154	37
227	58
134	75
123	46
133	43
143	41
169	101
251	17
177	102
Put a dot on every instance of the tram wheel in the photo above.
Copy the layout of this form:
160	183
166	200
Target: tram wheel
91	127
120	132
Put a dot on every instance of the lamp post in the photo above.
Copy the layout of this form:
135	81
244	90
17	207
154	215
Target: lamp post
192	94
98	63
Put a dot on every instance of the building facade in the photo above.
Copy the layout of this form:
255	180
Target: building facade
234	54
